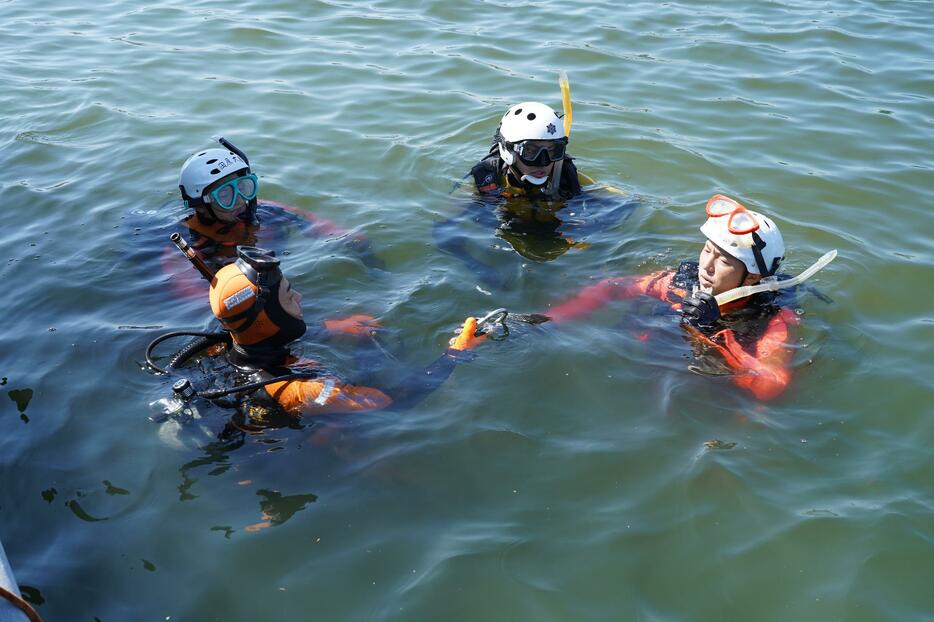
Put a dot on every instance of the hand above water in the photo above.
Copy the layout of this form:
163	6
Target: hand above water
467	339
700	309
357	324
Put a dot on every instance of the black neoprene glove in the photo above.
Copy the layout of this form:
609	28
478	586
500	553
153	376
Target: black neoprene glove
701	309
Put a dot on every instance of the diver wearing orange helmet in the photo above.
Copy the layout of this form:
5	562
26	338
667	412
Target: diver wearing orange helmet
261	316
220	187
752	334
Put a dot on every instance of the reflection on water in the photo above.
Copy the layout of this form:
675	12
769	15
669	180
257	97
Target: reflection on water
276	509
21	397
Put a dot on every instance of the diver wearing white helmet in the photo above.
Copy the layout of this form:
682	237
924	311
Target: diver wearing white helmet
529	156
220	187
525	184
743	247
752	334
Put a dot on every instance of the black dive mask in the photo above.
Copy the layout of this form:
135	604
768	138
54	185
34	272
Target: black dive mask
540	152
259	265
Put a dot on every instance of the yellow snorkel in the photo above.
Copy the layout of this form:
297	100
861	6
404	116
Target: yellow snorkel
568	115
565	85
555	182
566	101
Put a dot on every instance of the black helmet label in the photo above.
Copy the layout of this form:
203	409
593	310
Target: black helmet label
229	161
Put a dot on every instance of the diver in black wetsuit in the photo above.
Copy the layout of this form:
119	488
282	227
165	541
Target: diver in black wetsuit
524	185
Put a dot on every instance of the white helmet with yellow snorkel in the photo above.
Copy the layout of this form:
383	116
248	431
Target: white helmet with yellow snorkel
533	133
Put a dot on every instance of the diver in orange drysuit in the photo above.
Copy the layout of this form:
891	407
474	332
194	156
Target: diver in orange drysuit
259	309
752	333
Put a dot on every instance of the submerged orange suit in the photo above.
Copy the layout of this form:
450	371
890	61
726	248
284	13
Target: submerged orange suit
762	369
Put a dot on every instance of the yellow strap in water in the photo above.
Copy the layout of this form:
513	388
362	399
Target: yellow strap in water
566	101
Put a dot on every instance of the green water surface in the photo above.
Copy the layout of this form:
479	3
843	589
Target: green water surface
574	474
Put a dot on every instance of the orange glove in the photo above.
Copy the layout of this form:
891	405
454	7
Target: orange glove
358	324
466	340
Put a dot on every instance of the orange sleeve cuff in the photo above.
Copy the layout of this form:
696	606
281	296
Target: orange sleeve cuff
326	395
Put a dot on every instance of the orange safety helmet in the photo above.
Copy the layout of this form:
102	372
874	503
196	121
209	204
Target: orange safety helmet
245	298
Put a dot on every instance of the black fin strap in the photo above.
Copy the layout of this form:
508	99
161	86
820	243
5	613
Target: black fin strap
250	314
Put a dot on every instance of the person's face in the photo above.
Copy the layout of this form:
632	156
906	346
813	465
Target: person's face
718	271
231	215
534	170
290	299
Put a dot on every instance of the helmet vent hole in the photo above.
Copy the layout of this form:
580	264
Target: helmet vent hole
211	161
518	111
202	153
531	116
215	171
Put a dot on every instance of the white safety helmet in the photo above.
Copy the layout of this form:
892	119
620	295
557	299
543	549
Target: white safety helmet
527	121
761	250
204	168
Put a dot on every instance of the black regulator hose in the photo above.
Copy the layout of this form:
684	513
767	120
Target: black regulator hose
205	340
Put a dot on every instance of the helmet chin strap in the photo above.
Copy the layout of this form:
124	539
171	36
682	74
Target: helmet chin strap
554	187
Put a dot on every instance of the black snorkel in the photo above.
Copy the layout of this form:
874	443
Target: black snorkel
251	206
233	148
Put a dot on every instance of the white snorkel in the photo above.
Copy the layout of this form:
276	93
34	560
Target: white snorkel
771	286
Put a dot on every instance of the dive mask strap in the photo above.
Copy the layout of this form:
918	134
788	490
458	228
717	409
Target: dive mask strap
250	314
261	268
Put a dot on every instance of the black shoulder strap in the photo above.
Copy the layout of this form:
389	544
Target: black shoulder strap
570	184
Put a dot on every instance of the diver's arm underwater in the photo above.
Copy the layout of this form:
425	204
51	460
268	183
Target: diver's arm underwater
449	237
316	226
593	297
330	395
261	316
765	372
